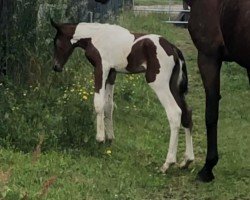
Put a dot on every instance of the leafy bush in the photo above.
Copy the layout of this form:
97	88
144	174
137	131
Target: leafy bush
61	110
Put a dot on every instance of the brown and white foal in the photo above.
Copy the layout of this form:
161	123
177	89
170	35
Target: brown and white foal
111	49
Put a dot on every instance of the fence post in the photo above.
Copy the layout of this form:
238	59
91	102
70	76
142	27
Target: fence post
4	36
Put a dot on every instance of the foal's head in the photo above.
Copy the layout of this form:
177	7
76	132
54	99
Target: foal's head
62	44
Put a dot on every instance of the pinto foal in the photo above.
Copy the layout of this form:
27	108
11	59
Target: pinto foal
111	49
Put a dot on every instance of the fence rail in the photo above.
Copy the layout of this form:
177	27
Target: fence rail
172	8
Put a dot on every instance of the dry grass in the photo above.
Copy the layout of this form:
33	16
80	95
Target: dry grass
46	185
5	176
37	152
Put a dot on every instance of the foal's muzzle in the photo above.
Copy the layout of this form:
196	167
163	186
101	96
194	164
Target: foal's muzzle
57	68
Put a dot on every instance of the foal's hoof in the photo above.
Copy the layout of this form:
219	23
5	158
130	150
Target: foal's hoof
185	164
205	175
109	142
165	167
100	140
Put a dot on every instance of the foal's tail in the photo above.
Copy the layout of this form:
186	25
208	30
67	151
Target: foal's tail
186	118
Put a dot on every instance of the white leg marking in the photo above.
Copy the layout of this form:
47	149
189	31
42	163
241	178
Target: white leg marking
189	153
161	88
99	102
108	110
174	116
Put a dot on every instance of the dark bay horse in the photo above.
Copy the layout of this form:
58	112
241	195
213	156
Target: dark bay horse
220	30
113	49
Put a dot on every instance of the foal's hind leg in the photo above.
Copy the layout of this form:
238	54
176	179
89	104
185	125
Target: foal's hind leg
186	120
173	111
189	153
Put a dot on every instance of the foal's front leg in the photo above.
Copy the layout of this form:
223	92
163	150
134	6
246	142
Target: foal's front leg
99	101
109	104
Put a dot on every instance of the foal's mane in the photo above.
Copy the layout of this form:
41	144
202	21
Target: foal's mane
64	28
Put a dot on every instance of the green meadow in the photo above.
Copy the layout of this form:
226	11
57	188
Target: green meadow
47	134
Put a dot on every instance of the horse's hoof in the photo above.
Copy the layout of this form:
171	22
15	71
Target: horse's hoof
205	175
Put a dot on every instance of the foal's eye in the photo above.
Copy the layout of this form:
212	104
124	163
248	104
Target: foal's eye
60	47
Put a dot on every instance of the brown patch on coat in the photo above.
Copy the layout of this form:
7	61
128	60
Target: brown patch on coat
111	77
94	57
178	90
169	48
62	44
144	52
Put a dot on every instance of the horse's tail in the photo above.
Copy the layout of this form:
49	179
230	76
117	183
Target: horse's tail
186	118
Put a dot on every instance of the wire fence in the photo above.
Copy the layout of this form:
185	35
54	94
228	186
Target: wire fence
176	10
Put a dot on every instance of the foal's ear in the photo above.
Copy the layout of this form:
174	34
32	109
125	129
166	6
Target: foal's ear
189	2
54	24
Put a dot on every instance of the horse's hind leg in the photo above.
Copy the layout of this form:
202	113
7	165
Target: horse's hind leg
173	111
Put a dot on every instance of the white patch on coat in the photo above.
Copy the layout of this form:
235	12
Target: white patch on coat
108	112
113	42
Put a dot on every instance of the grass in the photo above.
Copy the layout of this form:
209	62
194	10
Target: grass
130	171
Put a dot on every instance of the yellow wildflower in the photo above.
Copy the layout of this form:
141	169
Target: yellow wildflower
108	152
85	97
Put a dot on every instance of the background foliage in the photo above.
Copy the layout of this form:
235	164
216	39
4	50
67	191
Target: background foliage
35	99
26	34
